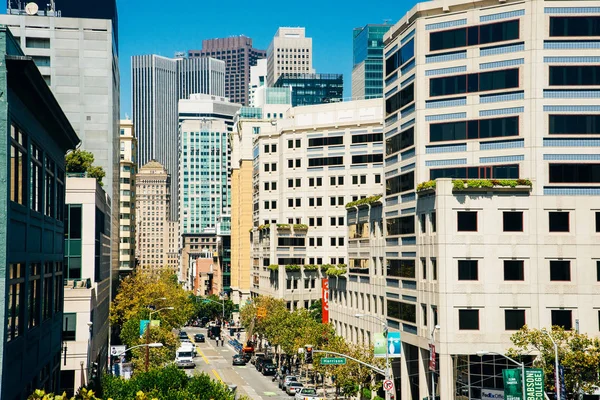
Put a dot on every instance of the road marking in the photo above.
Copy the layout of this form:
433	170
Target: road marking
217	375
270	394
202	354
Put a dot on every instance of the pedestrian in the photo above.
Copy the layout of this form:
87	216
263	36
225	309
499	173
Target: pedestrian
238	336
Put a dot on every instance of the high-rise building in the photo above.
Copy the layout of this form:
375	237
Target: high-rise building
367	61
307	167
156	234
290	52
37	136
128	169
239	56
311	89
258	78
504	95
158	83
86	283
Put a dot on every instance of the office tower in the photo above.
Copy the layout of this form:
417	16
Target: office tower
86	284
128	169
158	83
308	166
367	61
38	135
239	56
504	94
205	123
258	78
289	52
156	234
310	89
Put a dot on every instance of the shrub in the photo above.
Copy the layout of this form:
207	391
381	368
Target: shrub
283	226
311	267
365	201
300	227
273	267
461	184
426	185
292	267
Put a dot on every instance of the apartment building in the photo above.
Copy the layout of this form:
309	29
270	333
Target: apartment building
128	169
306	168
493	91
290	51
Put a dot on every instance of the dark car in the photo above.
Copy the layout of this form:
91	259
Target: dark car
183	335
268	369
238	360
199	337
260	362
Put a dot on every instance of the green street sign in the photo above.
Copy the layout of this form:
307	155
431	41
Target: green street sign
333	361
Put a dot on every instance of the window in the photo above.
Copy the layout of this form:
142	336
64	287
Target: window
319	181
558	221
319	221
36	180
468	320
266	148
422	222
34	294
273	148
467	270
475	129
290	163
69	326
400	183
326	141
424	313
331	180
18	165
14	316
514	319
273	167
324	161
576	75
332	241
290	144
367	138
266	185
401	225
434	268
514	270
487	172
403	311
58	285
433	222
267	167
355	179
298	143
474	35
363	179
512	221
575	26
377	178
400	57
298	162
424	268
562	318
340	180
400	141
574	124
478	82
598	271
47	297
37	43
41	61
560	270
466	221
574	173
400	99
401	268
367	158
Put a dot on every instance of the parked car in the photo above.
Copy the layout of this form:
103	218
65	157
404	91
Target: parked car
238	360
307	394
260	362
199	337
285	380
268	368
255	357
293	387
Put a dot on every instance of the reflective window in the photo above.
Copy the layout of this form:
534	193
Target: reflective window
468	319
401	225
318	162
574	26
470	83
404	311
400	141
477	129
563	318
367	158
367	138
510	171
400	57
514	319
400	183
325	141
577	75
574	124
574	173
400	99
401	268
474	35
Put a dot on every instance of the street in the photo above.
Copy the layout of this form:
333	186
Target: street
216	362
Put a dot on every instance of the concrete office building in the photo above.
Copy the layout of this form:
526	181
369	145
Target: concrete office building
128	169
307	167
272	104
198	256
367	61
157	235
258	78
239	56
87	283
158	83
495	91
290	51
311	89
38	134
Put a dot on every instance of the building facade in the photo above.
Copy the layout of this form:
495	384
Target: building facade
38	135
128	169
157	235
310	89
239	56
480	263
290	52
86	284
158	83
258	78
367	61
306	168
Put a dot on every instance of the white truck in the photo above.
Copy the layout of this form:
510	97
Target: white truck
184	357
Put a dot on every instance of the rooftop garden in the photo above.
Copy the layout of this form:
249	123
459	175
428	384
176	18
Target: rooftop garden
362	202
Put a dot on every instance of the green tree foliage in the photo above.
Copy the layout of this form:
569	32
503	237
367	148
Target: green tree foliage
316	310
81	161
578	353
212	309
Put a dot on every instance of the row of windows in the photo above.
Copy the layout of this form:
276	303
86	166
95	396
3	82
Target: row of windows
477	82
401	225
367	158
487	172
476	129
326	141
400	57
574	26
319	162
576	75
474	35
400	99
513	319
574	173
576	124
400	141
512	221
400	183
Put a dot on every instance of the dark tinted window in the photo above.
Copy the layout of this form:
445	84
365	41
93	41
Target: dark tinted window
448	39
468	319
474	35
367	158
400	141
575	75
575	173
560	270
562	318
403	311
558	221
318	162
574	124
514	319
467	221
484	81
74	222
488	172
598	271
401	225
574	26
597	221
400	183
467	270
476	129
400	99
498	32
325	141
512	221
400	57
366	138
514	270
401	268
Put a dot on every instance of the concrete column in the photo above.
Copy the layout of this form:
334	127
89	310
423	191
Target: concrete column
424	383
405	385
445	383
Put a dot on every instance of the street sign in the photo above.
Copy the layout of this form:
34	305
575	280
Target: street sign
333	361
432	357
388	385
116	350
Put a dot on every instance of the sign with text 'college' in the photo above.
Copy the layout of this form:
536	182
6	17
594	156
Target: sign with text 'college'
534	384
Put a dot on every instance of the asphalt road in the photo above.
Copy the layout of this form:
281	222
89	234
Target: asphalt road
216	362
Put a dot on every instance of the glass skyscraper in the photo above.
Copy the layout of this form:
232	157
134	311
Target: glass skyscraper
367	68
310	89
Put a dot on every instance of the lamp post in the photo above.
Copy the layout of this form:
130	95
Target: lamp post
482	353
147	363
148	345
387	351
556	372
432	342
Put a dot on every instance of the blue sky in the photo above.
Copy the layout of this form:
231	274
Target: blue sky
164	27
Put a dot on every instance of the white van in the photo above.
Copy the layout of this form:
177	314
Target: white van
184	357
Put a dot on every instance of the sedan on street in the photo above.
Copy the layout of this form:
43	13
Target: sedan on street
238	360
199	337
293	387
268	369
307	394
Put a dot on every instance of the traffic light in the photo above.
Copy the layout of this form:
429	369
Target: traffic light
93	371
309	355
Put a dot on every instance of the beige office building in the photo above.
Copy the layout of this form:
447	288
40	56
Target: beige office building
290	52
128	168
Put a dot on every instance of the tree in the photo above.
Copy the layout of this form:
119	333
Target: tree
577	353
213	309
81	161
316	310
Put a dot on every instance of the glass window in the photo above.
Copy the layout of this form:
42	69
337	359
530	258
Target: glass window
400	57
18	165
319	162
400	141
475	129
367	158
466	221
577	75
326	141
37	43
484	81
47	297
36	174
468	270
423	222
474	35
400	99
403	311
514	319
15	300
367	138
560	270
400	183
401	225
512	221
598	271
401	268
34	295
558	221
468	319
562	318
69	326
575	173
575	26
575	124
514	270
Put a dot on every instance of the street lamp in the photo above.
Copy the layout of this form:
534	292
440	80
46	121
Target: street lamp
482	353
148	334
387	351
556	372
149	345
431	347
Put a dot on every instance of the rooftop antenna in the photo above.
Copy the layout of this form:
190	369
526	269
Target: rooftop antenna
386	21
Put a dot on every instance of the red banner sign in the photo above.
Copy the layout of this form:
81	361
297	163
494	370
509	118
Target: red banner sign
325	300
432	357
